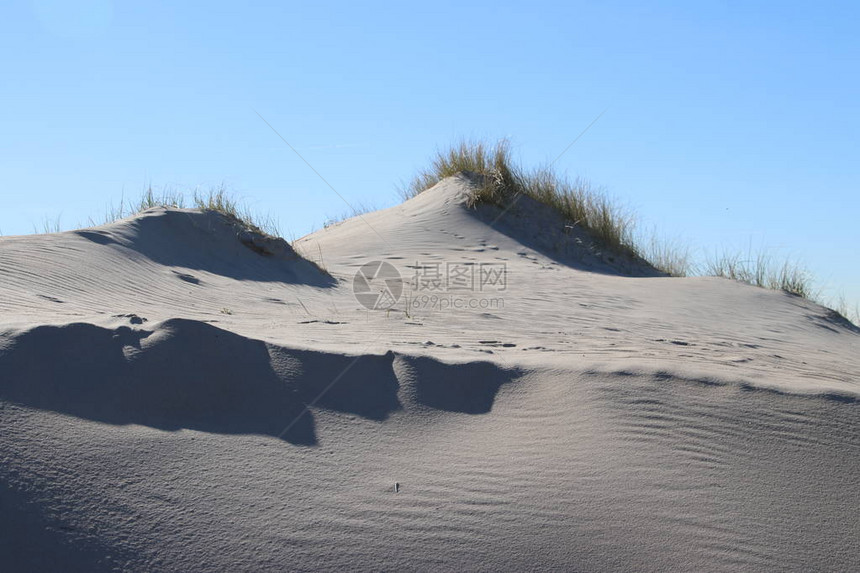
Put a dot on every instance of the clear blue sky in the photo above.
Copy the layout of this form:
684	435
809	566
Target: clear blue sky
728	124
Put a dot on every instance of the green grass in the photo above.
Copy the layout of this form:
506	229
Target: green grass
670	257
842	309
48	226
166	197
356	209
762	271
477	158
218	199
499	181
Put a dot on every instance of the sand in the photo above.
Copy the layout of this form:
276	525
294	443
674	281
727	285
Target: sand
173	400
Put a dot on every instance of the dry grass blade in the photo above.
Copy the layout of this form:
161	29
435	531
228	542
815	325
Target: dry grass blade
498	180
761	271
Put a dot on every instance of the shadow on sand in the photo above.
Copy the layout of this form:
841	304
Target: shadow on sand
206	241
469	388
190	374
541	228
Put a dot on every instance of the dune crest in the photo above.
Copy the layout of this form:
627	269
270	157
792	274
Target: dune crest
179	394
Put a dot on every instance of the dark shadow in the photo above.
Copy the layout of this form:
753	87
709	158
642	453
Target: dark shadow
31	542
98	237
187	374
835	318
363	385
190	374
211	242
541	228
842	398
470	388
191	279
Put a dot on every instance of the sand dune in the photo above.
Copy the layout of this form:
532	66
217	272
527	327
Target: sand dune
177	395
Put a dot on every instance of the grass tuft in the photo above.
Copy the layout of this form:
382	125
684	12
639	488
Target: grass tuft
670	257
167	197
762	271
841	308
499	181
49	226
356	210
470	158
220	199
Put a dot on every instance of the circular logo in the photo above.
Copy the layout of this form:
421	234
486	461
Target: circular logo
377	285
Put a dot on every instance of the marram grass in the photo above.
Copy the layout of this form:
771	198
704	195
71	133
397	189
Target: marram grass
498	180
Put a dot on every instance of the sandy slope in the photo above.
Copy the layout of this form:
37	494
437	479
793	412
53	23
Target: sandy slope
172	400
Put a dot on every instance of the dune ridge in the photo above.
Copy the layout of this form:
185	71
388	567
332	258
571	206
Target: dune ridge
173	399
